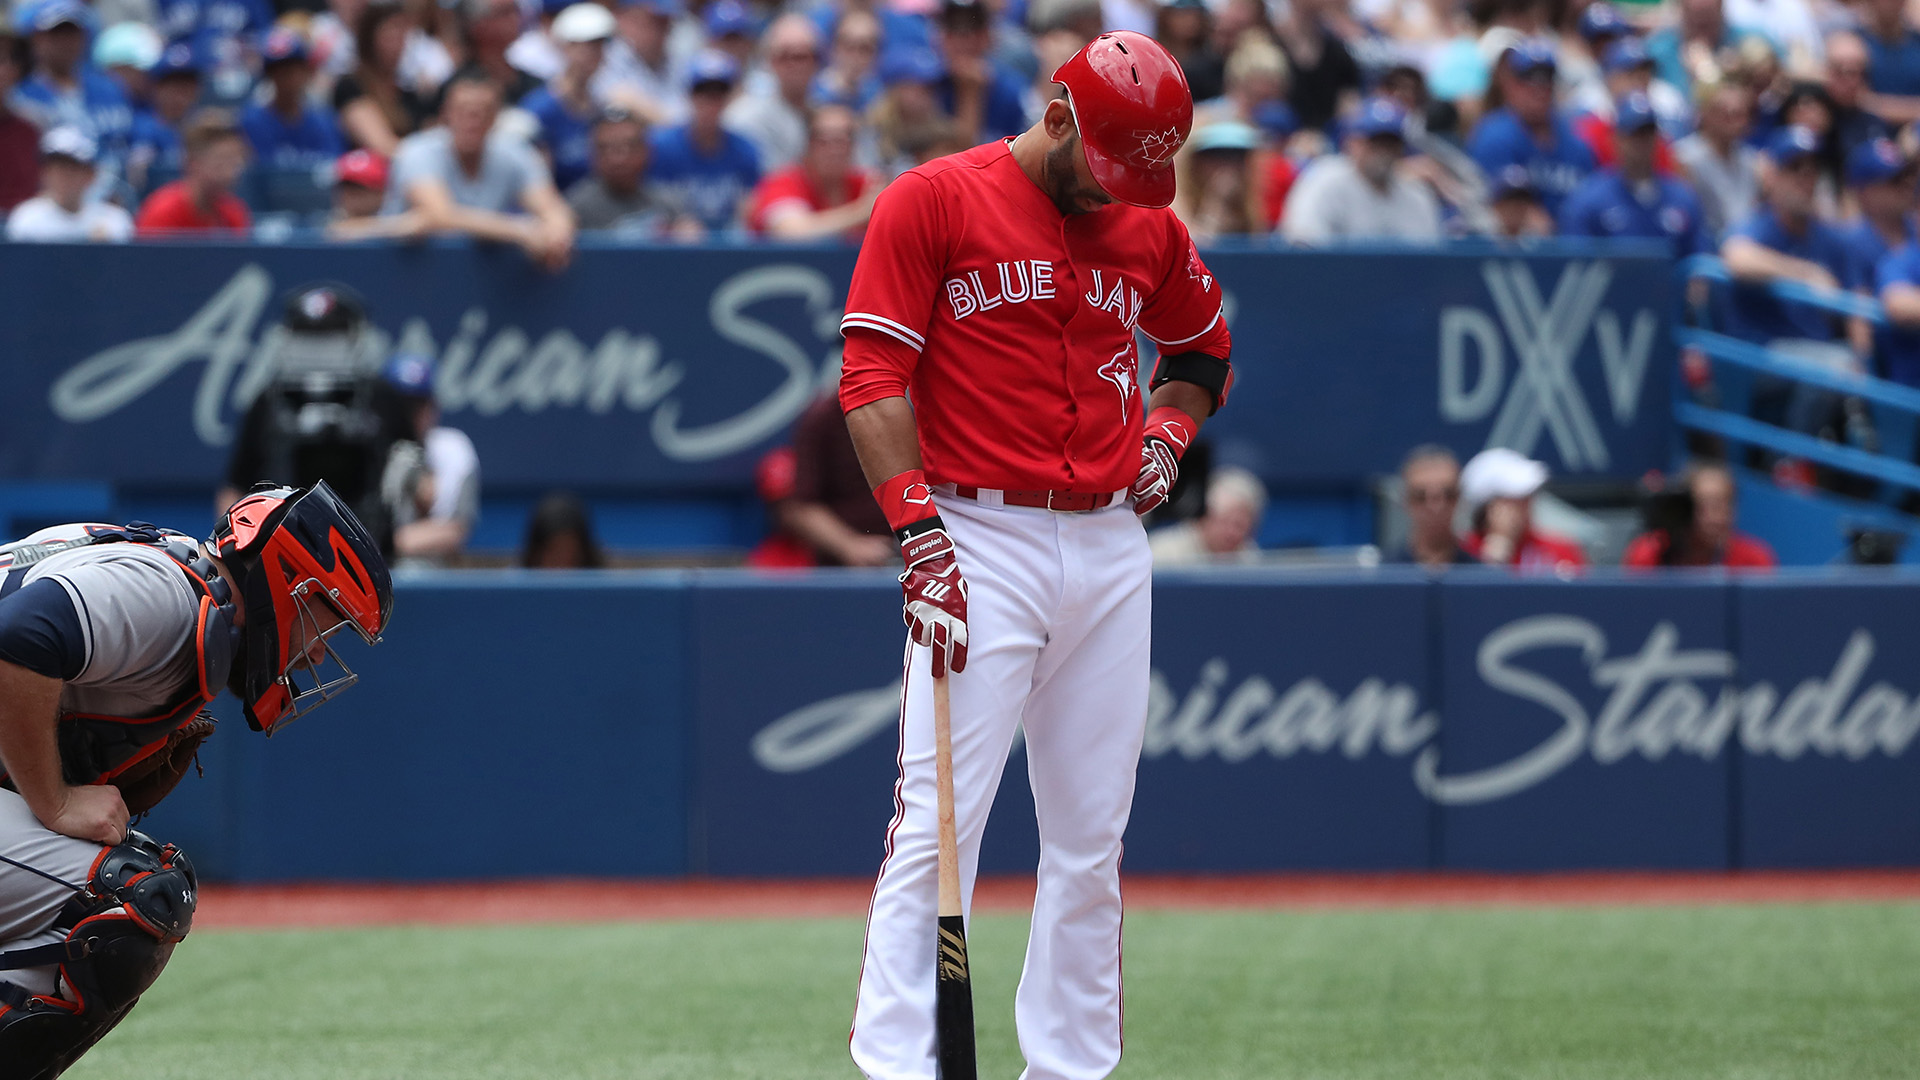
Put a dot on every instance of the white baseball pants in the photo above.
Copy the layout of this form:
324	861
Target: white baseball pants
1058	612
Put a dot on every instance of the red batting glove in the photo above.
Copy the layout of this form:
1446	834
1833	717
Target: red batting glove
1169	432
933	592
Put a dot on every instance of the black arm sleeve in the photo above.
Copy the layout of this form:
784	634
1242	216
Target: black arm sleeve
40	631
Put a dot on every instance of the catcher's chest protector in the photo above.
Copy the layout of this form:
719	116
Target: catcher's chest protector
96	748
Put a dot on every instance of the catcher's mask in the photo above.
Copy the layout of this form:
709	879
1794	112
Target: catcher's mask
305	569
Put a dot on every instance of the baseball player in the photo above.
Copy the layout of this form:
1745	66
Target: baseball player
112	640
991	388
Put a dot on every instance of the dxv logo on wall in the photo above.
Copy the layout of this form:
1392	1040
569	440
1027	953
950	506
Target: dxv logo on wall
489	369
1542	394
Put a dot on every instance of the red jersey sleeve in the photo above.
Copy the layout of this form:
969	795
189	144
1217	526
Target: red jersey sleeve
895	285
1184	313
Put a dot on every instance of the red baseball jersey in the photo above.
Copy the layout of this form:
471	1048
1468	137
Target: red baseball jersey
1010	326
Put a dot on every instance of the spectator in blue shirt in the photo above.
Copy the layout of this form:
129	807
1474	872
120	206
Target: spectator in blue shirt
64	91
1526	130
1846	85
986	100
851	77
289	132
565	106
1899	345
707	169
1882	180
1894	46
222	33
156	153
1631	199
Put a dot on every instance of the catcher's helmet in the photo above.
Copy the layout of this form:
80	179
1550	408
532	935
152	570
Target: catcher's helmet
324	309
1131	103
305	568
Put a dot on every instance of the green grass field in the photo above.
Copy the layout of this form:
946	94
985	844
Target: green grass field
1743	993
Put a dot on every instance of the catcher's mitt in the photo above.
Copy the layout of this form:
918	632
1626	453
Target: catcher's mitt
148	780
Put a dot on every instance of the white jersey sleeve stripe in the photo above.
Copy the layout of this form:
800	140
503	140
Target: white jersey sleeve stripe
86	619
886	326
1190	337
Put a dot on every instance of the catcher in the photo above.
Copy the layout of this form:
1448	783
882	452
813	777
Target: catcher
112	641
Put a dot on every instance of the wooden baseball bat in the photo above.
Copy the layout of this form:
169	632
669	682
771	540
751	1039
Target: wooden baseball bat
953	993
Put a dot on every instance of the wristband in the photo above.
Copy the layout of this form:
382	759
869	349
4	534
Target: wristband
906	499
1172	426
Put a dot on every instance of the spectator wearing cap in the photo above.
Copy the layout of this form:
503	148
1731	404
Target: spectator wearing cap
1515	207
566	107
1430	497
64	91
1325	74
1785	240
1598	26
1219	191
126	52
639	64
432	481
851	76
202	200
1632	198
1717	159
1629	70
706	168
19	139
535	51
359	191
986	100
1185	27
773	115
224	34
823	194
732	30
288	130
376	106
157	153
618	197
467	176
1498	486
1707	536
62	212
1846	86
909	105
1359	193
1527	130
1227	530
1881	178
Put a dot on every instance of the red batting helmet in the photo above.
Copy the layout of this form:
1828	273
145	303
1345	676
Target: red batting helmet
1132	106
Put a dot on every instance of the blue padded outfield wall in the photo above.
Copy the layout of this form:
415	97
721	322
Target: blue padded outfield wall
674	369
622	724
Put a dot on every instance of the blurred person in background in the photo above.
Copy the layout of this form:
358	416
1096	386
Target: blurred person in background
467	177
288	130
126	52
1430	495
1882	179
359	191
1528	130
560	536
1723	169
1694	526
19	138
823	195
639	65
779	549
1254	78
1893	76
156	152
567	105
492	26
535	51
1185	27
1498	485
1686	52
1899	346
773	115
224	35
618	197
1629	71
985	99
1515	208
1788	23
1597	26
828	507
425	61
1632	199
376	107
432	481
709	170
909	103
1806	105
1359	193
62	212
1325	77
1226	532
1274	168
1846	85
64	91
1220	193
851	76
202	200
731	29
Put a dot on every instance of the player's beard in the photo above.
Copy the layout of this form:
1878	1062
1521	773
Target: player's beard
1062	186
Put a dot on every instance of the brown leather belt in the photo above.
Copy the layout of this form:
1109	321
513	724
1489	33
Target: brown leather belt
1066	502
